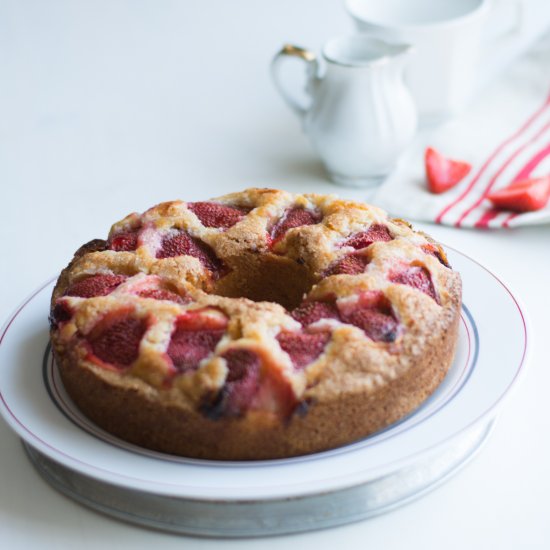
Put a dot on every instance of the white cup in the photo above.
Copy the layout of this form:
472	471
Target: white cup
447	37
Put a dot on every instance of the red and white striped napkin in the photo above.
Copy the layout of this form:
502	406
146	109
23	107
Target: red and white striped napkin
505	135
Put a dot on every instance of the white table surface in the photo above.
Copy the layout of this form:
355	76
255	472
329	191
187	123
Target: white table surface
110	106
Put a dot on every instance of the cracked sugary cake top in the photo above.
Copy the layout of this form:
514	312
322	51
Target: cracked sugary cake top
257	301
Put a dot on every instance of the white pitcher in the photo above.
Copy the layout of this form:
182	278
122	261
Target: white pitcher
360	114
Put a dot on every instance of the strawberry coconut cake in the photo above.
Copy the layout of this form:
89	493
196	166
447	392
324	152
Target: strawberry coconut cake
258	325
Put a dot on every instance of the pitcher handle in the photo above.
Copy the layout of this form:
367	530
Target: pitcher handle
312	69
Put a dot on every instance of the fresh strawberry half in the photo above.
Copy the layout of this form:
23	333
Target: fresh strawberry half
417	277
124	242
294	217
181	243
443	173
96	285
373	314
212	214
523	196
118	342
302	347
376	232
308	313
352	264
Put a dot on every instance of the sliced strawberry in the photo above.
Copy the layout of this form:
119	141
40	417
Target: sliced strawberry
523	196
96	285
155	288
239	364
373	314
308	313
118	343
416	276
194	338
242	382
302	347
251	385
276	394
124	242
212	214
162	294
376	232
443	173
437	251
61	313
188	348
294	217
378	326
202	319
181	243
352	264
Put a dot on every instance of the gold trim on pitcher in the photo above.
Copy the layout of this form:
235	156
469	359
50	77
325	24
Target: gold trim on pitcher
290	49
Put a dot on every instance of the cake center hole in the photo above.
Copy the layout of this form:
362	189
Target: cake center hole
266	278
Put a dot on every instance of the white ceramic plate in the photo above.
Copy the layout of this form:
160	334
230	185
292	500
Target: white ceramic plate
491	354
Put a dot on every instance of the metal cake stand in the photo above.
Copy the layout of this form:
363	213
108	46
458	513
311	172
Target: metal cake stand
252	518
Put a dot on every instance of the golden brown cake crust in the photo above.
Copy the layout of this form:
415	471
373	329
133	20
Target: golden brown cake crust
250	284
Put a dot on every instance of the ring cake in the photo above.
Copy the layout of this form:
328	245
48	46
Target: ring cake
261	324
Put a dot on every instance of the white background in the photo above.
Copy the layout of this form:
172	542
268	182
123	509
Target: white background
108	107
